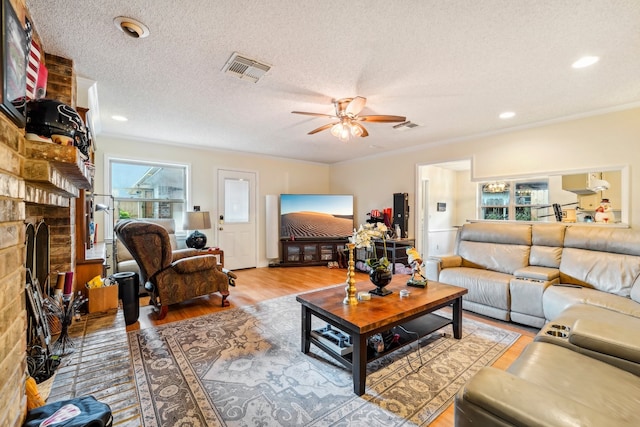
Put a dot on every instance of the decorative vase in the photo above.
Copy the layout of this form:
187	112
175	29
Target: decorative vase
381	277
351	290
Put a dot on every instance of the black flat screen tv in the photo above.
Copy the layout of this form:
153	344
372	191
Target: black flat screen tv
316	216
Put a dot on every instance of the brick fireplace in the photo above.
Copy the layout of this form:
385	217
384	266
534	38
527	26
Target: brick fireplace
39	181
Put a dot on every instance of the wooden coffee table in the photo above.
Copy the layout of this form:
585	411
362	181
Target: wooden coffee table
367	318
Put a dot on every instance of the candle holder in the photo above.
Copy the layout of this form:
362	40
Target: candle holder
351	290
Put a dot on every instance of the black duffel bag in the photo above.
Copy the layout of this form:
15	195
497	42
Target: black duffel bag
79	412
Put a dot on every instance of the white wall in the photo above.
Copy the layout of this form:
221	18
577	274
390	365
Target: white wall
597	142
274	175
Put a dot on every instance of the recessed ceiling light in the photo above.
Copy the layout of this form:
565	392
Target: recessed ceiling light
131	27
119	118
507	115
585	61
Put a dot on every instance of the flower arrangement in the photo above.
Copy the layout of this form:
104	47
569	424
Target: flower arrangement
363	238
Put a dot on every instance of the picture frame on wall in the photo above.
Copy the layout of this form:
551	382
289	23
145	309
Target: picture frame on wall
13	74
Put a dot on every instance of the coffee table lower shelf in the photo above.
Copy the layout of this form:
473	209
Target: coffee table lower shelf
409	332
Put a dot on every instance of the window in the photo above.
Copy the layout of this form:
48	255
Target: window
148	190
525	200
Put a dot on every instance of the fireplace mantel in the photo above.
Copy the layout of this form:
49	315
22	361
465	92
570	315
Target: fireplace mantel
54	173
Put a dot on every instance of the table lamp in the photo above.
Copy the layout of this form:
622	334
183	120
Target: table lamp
197	221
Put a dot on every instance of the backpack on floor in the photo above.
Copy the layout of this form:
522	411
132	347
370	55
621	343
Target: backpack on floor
79	412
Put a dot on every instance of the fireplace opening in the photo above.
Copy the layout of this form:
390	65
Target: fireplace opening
41	362
37	257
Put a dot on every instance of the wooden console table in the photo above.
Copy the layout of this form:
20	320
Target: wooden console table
396	250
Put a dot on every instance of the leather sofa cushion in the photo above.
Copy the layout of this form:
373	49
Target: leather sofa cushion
545	256
498	247
485	287
616	335
557	299
549	385
584	380
512	234
548	234
494	256
613	240
608	272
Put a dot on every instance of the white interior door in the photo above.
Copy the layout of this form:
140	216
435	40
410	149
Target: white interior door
237	232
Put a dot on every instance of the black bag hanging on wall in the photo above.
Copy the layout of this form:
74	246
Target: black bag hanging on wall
79	412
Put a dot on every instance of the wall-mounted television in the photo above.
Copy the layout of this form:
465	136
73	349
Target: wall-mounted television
316	216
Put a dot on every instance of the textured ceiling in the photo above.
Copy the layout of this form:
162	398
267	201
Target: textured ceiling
449	66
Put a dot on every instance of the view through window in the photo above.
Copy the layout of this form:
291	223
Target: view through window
149	190
514	200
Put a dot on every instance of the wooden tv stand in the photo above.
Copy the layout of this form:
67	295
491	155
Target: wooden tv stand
310	251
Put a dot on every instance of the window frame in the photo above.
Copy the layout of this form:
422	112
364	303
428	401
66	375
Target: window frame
186	180
512	206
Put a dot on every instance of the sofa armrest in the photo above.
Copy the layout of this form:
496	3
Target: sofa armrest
516	401
433	265
618	340
534	272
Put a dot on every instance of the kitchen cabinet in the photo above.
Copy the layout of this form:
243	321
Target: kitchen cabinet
589	202
577	183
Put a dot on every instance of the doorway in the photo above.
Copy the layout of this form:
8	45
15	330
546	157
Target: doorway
446	199
236	222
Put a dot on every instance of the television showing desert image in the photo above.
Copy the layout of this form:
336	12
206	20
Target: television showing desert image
305	216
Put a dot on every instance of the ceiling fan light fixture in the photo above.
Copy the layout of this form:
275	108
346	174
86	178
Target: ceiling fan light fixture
344	133
336	130
347	114
356	130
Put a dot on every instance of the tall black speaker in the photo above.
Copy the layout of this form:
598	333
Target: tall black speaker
401	213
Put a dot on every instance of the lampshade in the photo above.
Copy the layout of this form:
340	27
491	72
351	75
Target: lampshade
197	221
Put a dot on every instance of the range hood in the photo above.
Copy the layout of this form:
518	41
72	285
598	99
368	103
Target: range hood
584	183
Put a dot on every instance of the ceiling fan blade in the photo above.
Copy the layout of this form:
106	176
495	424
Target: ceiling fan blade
314	114
321	128
382	118
364	130
355	106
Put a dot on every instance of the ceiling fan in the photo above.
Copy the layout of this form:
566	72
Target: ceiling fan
347	110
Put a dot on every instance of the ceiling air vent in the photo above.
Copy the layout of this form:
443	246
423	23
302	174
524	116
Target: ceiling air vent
405	125
245	68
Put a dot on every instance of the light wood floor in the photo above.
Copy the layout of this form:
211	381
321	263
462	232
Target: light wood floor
258	284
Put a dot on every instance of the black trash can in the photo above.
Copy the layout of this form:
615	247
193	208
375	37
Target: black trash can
128	292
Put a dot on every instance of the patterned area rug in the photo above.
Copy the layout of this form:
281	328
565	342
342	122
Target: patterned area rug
244	367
